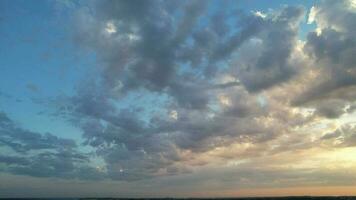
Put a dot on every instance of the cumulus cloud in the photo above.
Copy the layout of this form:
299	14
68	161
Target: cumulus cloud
331	46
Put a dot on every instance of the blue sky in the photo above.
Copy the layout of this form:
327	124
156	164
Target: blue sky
38	62
128	93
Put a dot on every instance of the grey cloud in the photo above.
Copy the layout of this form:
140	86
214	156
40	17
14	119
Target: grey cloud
22	140
64	164
13	160
263	61
344	136
191	95
135	150
155	58
331	135
4	118
331	108
173	53
153	54
226	85
42	155
333	50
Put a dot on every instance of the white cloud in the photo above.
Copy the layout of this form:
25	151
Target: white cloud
312	13
173	115
110	28
259	14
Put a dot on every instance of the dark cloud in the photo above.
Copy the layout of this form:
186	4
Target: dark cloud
333	108
22	140
63	164
13	160
332	46
41	155
264	60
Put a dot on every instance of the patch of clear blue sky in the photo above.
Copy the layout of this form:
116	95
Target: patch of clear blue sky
38	59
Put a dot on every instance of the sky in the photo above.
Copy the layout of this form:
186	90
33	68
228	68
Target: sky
215	98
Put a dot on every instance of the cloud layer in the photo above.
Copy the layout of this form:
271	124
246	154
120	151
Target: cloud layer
186	86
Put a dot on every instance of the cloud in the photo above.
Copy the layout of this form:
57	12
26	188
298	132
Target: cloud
22	140
29	153
331	47
333	108
264	60
32	87
344	136
188	58
11	160
136	147
155	62
179	86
